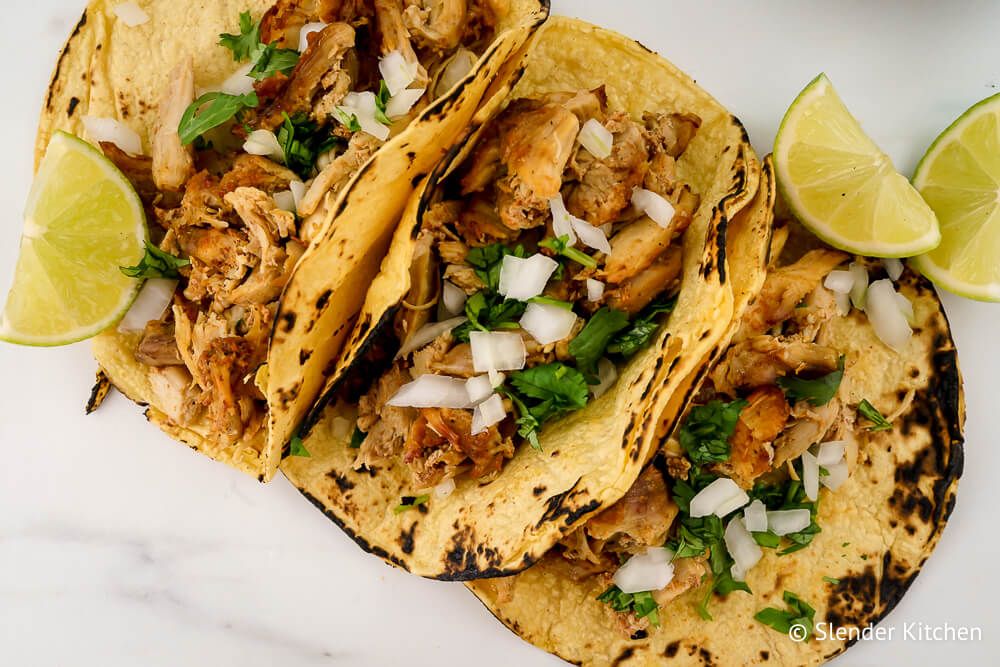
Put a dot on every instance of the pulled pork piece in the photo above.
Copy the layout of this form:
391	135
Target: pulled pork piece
640	243
440	441
639	291
175	394
671	132
480	224
436	25
257	172
809	427
335	175
158	347
283	21
641	518
688	575
536	141
226	362
173	162
138	169
761	360
785	288
387	427
220	261
818	308
760	422
484	166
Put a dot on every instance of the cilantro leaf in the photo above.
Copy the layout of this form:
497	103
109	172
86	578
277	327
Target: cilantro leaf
270	60
550	301
789	497
155	263
818	391
589	345
642	330
357	438
767	539
297	448
799	612
488	260
706	431
212	110
563	387
642	603
486	312
303	141
410	502
831	580
244	44
561	246
528	424
350	121
381	102
872	414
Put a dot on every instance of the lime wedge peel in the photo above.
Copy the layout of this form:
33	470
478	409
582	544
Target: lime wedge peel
83	220
842	186
959	176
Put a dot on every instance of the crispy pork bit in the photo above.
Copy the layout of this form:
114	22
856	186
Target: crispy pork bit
225	363
440	442
761	360
258	172
641	518
173	162
283	21
332	179
436	25
760	422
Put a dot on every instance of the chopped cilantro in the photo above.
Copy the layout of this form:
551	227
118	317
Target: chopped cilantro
212	110
410	502
155	263
561	246
297	448
270	60
350	121
706	431
789	497
641	604
244	44
357	438
381	101
302	141
488	260
589	345
872	414
549	301
818	391
643	328
545	392
783	620
488	311
831	580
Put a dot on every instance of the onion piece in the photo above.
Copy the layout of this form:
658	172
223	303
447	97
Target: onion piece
838	473
719	498
111	130
860	289
397	72
362	107
595	289
590	236
893	267
298	189
810	475
606	376
453	298
459	65
489	412
596	138
755	517
839	282
742	547
307	30
428	333
523	279
497	351
431	391
285	201
239	83
783	522
131	14
479	387
906	307
547	323
562	221
885	315
264	142
342	428
655	206
649	570
843	303
445	488
830	453
400	104
153	300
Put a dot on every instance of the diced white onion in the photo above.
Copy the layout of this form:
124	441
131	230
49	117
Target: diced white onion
240	82
445	488
153	300
341	428
860	289
906	307
453	298
397	71
263	142
116	132
755	517
655	206
607	228
650	570
596	138
547	323
479	387
830	453
595	289
131	14
893	267
843	303
457	68
298	189
285	201
523	279
590	236
837	475
606	376
783	522
362	106
886	318
428	333
497	351
810	475
489	412
840	282
719	498
307	30
431	391
742	547
562	221
400	104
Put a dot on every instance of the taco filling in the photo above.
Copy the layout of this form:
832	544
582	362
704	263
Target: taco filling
771	426
239	179
550	258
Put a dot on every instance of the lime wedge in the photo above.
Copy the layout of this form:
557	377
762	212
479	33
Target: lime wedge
959	176
83	221
841	186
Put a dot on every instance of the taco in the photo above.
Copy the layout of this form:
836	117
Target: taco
259	118
800	493
550	288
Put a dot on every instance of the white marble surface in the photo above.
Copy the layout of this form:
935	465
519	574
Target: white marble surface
119	547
